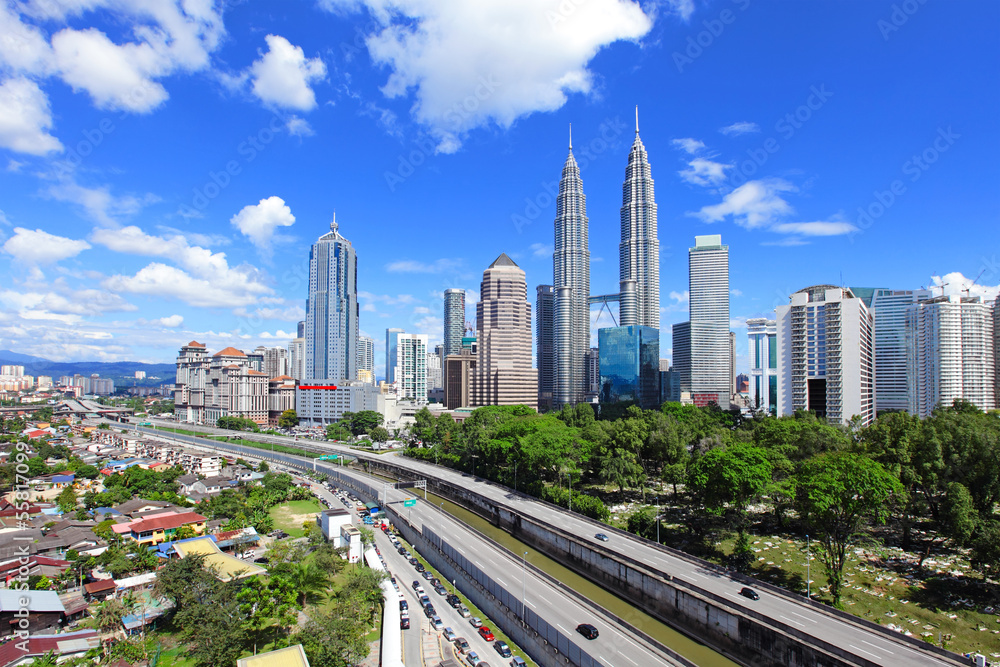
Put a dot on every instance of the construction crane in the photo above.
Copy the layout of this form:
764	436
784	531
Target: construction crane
966	290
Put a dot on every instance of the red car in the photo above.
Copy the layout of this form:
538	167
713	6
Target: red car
486	633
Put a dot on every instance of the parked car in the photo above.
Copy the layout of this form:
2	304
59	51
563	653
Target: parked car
426	575
419	567
486	633
518	662
416	585
749	593
437	622
403	605
404	623
463	611
440	590
454	600
429	610
587	630
461	645
424	600
476	622
449	635
472	658
502	648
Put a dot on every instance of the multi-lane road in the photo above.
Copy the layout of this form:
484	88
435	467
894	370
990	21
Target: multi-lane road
783	609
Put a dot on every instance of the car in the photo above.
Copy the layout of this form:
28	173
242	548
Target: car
416	585
392	580
419	567
435	582
461	645
404	623
437	622
486	633
602	537
440	590
463	611
403	605
426	575
449	635
412	561
429	611
588	630
472	658
476	622
502	648
424	600
453	600
401	550
518	662
749	593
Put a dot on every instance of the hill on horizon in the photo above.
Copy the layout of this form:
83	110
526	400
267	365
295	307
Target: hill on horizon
119	371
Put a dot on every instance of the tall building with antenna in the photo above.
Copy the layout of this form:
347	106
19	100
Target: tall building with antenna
570	288
331	329
639	250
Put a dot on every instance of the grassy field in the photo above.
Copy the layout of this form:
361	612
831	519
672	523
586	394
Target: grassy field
290	516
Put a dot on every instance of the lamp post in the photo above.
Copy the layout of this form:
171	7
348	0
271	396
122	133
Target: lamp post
807	566
569	477
524	568
657	519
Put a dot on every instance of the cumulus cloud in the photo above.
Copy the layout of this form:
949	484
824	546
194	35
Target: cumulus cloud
25	119
282	76
689	145
955	283
704	172
37	247
98	203
66	306
753	205
821	228
683	8
170	321
741	127
257	222
206	279
464	70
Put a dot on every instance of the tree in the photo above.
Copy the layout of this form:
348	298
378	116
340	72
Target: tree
621	469
66	500
87	471
365	421
838	494
338	432
288	419
379	434
308	581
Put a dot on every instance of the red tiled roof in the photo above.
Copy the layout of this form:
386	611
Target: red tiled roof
35	560
282	378
229	352
40	645
166	522
254	372
194	343
100	585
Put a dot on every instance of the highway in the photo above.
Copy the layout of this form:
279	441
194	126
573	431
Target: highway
783	609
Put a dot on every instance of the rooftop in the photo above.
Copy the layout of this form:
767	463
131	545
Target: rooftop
229	352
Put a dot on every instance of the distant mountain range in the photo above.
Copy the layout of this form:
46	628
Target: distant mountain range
122	372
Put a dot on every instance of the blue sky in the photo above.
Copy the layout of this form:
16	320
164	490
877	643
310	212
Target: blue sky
164	166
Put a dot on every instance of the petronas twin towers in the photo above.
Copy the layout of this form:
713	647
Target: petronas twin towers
639	273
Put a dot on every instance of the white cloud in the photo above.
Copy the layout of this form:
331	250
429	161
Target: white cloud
37	247
25	119
282	76
465	70
422	310
23	48
754	204
689	145
683	8
681	297
369	308
98	203
791	241
739	128
704	172
955	283
825	228
258	222
298	127
736	292
68	306
170	321
413	266
541	250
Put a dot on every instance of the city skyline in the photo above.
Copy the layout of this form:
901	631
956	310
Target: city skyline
810	168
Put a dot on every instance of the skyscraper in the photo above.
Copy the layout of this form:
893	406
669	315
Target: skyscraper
681	339
826	355
708	271
503	374
571	288
454	320
950	345
410	373
639	251
630	365
762	334
331	330
545	355
366	354
390	353
297	358
889	310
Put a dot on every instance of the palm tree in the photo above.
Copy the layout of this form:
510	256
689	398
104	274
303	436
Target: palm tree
309	582
109	617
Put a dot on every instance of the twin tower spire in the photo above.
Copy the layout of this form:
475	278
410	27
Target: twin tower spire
639	268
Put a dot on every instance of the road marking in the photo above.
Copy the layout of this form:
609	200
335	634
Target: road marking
791	621
562	628
627	658
502	582
461	550
529	603
479	564
864	651
878	647
801	616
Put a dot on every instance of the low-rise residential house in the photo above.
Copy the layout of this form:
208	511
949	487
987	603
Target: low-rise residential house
100	589
45	611
136	506
65	644
330	522
14	570
212	485
238	472
18	544
78	538
161	528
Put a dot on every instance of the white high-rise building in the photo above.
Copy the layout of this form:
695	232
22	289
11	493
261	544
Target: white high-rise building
435	379
762	334
410	372
332	309
639	250
708	275
826	355
275	361
570	288
951	353
889	309
297	358
366	354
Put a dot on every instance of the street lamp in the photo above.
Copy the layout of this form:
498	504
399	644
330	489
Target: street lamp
657	519
524	568
807	566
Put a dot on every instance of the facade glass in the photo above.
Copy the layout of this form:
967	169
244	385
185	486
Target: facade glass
630	365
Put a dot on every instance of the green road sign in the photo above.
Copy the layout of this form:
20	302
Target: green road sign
328	457
409	502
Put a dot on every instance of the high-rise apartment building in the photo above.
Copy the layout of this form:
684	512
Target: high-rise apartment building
593	374
889	309
504	375
12	371
681	355
711	362
331	330
435	380
390	353
826	355
301	329
763	337
639	250
950	353
996	347
454	320
410	372
223	385
297	358
366	354
544	352
275	361
570	288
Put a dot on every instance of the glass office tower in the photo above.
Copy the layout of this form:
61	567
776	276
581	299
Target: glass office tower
630	365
